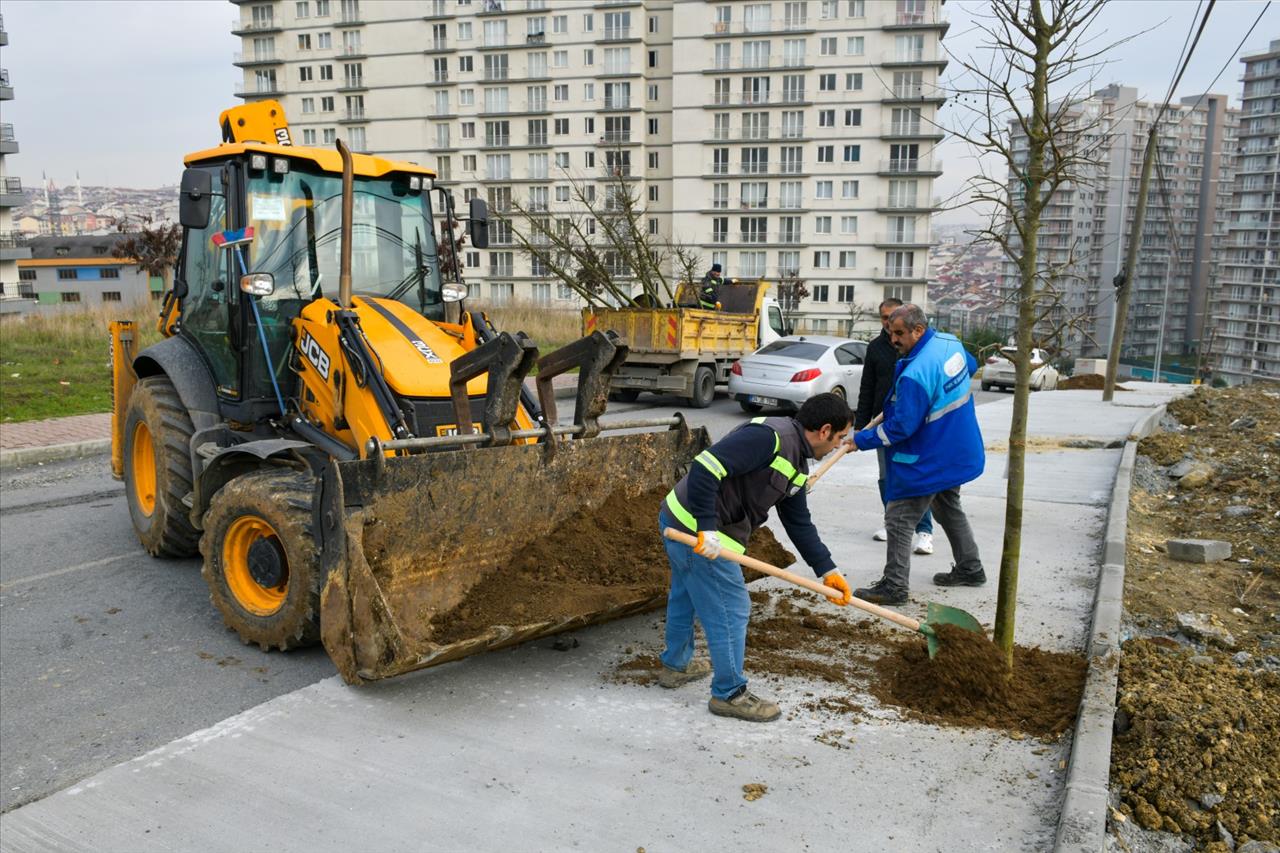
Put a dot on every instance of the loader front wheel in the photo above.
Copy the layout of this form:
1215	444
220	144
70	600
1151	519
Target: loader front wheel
157	468
261	559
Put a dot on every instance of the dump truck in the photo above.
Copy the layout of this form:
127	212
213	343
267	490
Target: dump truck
349	447
688	351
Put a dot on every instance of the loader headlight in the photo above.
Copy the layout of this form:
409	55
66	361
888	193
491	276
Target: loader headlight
451	291
415	184
280	166
258	162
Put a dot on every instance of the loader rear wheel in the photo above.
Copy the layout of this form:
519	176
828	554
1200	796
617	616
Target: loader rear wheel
261	559
157	468
704	388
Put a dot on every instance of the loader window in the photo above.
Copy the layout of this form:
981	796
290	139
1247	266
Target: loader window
211	293
297	221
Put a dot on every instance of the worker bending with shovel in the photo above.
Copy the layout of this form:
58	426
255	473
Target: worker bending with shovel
726	495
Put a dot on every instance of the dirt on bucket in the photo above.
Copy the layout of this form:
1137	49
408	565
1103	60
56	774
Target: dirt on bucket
595	559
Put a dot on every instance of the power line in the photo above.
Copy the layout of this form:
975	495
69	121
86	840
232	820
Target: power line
1185	39
1226	64
1185	62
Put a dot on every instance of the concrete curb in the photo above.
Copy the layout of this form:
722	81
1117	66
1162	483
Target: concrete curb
21	456
1082	826
53	452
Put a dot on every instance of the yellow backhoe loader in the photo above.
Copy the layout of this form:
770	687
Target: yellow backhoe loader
347	445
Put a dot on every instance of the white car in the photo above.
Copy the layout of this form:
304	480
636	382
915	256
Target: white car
998	372
788	371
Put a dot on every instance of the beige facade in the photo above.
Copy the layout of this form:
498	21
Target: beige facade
12	244
773	137
1247	300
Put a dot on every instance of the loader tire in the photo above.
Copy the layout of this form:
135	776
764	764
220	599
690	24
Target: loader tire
157	468
704	387
261	559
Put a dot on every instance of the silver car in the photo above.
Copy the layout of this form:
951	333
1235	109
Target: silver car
999	371
788	371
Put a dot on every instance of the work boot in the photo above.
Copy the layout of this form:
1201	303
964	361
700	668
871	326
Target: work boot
695	669
923	543
881	592
745	706
881	535
955	577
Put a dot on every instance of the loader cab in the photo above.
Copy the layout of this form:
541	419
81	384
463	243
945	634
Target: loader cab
285	206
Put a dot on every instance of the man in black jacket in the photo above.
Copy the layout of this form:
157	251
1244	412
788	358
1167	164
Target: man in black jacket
877	379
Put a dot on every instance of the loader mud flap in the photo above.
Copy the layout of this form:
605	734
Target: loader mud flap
406	539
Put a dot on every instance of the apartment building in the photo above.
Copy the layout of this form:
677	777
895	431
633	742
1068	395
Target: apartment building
1084	231
1247	299
780	139
81	270
12	247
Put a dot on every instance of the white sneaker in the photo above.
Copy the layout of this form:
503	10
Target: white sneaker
881	535
923	543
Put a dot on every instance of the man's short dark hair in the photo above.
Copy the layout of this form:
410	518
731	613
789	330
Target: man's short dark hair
910	315
823	409
891	301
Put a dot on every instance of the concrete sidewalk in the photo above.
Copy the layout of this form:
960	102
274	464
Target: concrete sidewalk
530	749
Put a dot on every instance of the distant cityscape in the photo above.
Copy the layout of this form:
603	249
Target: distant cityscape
76	210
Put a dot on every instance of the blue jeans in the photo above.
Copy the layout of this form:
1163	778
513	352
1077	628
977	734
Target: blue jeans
714	592
925	524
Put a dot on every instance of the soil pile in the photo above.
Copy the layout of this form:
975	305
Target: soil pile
597	559
1197	742
1082	382
967	684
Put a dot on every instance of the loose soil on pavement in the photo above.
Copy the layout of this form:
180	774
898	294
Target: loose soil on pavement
596	559
1197	742
1085	382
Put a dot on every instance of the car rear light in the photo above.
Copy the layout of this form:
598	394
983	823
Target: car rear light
806	375
991	359
736	370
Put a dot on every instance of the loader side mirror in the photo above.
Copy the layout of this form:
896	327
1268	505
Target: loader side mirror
452	291
478	223
194	198
258	284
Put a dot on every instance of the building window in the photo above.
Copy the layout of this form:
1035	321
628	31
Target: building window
110	296
653	226
560	59
308	105
304	74
322	8
70	296
304	41
561	92
853	82
826	153
854	46
845	292
852	153
302	10
653	126
653	93
109	272
653	59
309	136
821	292
827	47
848	189
653	193
501	293
560	24
324	41
822	224
588	24
588	56
466	64
562	159
822	261
326	104
330	135
826	82
26	275
848	225
848	260
823	190
853	118
465	31
653	23
68	275
326	72
826	118
653	159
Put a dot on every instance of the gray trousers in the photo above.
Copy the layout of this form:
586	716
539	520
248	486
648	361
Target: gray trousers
900	519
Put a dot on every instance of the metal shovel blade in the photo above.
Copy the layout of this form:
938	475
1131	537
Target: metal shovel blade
940	614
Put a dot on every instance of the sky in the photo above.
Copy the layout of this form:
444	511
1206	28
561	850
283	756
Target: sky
119	91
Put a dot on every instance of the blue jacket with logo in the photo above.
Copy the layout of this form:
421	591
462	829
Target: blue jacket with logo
930	430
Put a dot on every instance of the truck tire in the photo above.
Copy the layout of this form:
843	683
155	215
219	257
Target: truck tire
750	408
626	395
157	468
261	559
704	387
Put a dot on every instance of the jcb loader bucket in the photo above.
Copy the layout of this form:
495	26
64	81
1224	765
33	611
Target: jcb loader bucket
405	538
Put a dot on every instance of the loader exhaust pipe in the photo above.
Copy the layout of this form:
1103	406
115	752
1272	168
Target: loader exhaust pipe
348	204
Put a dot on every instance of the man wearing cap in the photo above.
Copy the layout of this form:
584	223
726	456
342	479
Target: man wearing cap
727	494
709	290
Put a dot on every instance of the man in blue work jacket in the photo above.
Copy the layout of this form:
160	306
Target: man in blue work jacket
929	432
725	496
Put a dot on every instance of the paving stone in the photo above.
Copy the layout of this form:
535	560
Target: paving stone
1198	550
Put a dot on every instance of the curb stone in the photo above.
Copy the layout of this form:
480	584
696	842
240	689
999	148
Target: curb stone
21	456
1082	825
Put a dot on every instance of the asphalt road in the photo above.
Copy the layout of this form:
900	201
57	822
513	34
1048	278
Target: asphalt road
106	652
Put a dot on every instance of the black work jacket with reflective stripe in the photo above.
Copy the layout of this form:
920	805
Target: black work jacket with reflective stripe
743	501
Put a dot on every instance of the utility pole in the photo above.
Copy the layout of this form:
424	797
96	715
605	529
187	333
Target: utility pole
1125	285
1164	308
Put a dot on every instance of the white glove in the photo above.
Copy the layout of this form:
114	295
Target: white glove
708	544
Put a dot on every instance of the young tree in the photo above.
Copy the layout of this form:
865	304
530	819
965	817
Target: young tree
153	245
1032	49
791	292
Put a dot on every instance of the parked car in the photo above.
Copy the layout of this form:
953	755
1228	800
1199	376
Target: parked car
998	372
788	371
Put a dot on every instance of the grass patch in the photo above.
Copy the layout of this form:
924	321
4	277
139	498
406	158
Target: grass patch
550	328
58	363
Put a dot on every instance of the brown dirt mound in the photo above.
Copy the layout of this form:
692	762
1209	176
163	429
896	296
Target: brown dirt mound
595	559
1085	382
967	684
1197	742
1164	448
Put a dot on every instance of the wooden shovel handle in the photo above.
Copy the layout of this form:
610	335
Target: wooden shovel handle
812	585
832	458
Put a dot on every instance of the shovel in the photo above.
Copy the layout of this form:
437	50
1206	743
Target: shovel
832	459
938	614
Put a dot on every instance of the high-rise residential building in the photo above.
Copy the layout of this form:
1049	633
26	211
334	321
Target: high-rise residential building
12	247
779	139
1247	299
1084	230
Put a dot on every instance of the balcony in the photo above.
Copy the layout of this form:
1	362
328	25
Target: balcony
438	9
438	78
753	237
887	204
6	88
259	89
924	92
615	34
13	246
615	137
923	129
909	275
617	102
352	51
244	60
354	83
537	140
927	56
919	240
498	141
535	38
255	27
501	270
350	116
350	18
929	18
921	166
761	27
771	62
10	192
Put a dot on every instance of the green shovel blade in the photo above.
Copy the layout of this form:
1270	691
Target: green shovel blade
940	614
